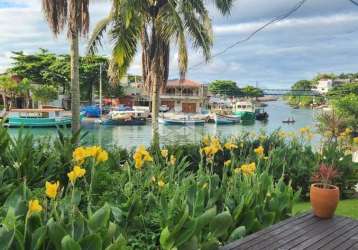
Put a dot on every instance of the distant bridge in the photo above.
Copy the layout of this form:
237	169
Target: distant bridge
282	92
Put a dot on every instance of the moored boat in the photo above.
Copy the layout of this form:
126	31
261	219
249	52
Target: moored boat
185	121
226	119
245	110
39	118
125	118
261	114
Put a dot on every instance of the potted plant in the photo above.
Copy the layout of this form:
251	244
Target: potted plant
323	195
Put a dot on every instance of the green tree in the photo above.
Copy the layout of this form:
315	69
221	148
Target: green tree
24	88
8	88
250	91
302	85
224	87
343	90
45	93
75	15
348	106
154	24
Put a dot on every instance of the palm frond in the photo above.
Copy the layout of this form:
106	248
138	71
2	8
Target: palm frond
55	12
224	6
95	40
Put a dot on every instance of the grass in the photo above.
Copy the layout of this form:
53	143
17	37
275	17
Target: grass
347	208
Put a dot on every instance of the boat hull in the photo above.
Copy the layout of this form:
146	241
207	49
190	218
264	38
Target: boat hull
245	115
226	119
182	122
120	122
38	122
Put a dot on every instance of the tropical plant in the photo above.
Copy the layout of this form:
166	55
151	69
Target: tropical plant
8	88
74	14
45	93
325	175
250	91
154	24
224	87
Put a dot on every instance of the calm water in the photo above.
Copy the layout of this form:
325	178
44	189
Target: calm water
130	136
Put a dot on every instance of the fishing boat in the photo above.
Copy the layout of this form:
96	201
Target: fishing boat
245	110
226	119
39	118
261	114
183	121
125	118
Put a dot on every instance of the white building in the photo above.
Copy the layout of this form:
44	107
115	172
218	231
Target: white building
324	85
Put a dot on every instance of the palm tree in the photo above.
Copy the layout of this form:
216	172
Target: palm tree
74	15
153	25
7	88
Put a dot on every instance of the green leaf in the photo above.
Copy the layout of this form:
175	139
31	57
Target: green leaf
38	238
221	223
91	242
56	233
191	244
238	233
166	242
67	243
6	238
79	226
10	220
206	218
99	219
186	233
119	244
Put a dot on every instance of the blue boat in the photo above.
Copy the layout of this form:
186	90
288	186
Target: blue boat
91	111
226	119
37	118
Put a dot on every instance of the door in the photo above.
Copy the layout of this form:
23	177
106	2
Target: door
169	104
189	107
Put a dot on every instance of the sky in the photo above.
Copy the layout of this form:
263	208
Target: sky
321	37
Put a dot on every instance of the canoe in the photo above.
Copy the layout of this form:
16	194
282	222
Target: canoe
226	119
181	122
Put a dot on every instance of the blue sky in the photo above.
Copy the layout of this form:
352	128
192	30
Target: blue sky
321	37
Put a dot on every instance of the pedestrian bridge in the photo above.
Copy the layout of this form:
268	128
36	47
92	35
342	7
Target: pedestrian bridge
282	92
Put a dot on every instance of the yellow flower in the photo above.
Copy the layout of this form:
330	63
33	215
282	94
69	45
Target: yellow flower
173	160
282	134
230	146
80	154
153	179
259	151
93	151
206	140
141	156
304	130
164	153
161	184
79	172
355	140
237	170
34	206
51	189
248	169
101	156
72	176
265	157
227	163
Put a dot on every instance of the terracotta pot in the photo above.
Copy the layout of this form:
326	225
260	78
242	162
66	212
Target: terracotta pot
324	201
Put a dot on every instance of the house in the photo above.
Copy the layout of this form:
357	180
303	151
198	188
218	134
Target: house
324	85
186	96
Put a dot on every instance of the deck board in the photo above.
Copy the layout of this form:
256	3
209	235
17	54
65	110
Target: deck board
304	231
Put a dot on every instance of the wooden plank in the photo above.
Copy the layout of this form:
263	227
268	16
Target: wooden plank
348	244
262	233
318	234
296	235
337	237
342	238
266	233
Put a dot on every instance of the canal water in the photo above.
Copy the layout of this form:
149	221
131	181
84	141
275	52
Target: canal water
131	136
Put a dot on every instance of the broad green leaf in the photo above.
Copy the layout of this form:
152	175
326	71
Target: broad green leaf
99	219
220	223
206	218
56	233
91	242
6	238
38	237
238	233
166	242
186	233
67	243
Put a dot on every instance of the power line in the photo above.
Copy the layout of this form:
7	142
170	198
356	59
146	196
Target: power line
274	20
353	2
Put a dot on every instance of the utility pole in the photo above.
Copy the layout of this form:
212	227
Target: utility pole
100	90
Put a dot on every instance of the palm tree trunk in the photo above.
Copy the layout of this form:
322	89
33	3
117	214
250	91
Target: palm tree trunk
155	77
75	84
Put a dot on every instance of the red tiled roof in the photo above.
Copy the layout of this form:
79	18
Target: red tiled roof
183	83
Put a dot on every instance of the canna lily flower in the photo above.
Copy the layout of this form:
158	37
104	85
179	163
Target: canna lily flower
173	160
141	156
80	154
102	156
51	189
237	170
304	130
230	146
161	184
259	151
34	206
164	153
248	169
72	176
206	140
227	163
77	172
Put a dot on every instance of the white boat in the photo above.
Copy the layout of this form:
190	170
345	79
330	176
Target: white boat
185	121
121	118
245	110
226	119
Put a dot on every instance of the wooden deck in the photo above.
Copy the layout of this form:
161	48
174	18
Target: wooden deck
303	232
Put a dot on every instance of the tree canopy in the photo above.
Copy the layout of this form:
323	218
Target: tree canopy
302	85
250	91
224	87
